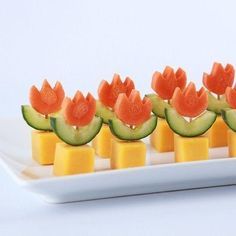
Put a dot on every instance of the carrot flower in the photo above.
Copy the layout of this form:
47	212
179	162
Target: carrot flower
80	110
230	95
190	102
108	93
132	110
164	84
219	79
48	100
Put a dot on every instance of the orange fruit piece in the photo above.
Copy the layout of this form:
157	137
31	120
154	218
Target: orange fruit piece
164	84
131	109
108	93
219	79
230	95
80	110
190	102
48	100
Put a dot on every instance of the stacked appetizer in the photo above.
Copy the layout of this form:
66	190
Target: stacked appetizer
164	84
190	121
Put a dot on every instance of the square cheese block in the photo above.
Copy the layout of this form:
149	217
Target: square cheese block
231	143
218	133
43	146
191	149
127	154
162	139
70	160
102	142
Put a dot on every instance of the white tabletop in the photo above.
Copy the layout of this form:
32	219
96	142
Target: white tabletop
209	211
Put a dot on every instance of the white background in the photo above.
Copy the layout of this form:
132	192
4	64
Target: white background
82	42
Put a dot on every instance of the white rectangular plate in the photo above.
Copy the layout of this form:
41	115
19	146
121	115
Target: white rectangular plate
160	173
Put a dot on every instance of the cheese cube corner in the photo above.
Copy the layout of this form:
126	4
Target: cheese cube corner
127	154
231	143
43	146
162	138
71	160
218	133
191	149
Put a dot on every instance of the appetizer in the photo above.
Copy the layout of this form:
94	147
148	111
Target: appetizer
44	103
229	116
189	120
76	126
164	84
133	122
216	82
107	94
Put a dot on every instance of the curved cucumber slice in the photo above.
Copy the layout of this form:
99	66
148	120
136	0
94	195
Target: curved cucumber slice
35	119
216	105
122	131
229	116
72	136
189	129
104	112
158	105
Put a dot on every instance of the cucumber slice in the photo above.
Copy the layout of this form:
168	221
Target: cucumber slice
216	105
189	129
158	105
104	112
123	132
72	136
229	116
35	119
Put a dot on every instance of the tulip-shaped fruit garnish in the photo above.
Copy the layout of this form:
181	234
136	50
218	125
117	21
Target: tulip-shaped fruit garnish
216	82
190	104
134	120
108	94
164	84
229	114
44	102
77	123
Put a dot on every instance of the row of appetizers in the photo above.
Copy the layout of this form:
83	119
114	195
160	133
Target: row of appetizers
189	121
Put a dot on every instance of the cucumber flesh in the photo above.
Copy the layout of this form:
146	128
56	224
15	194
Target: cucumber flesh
73	136
104	112
158	105
123	132
35	119
194	128
216	105
229	116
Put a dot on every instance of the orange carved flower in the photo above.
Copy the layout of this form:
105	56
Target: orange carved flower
219	79
48	100
108	93
190	102
80	110
131	109
230	95
164	84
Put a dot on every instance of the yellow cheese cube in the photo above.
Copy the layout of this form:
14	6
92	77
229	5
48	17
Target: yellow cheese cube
218	133
191	149
43	146
71	160
162	139
231	143
102	142
127	154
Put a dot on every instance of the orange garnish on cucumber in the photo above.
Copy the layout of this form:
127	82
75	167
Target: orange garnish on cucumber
219	79
77	123
190	102
108	93
80	110
48	100
44	102
164	84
